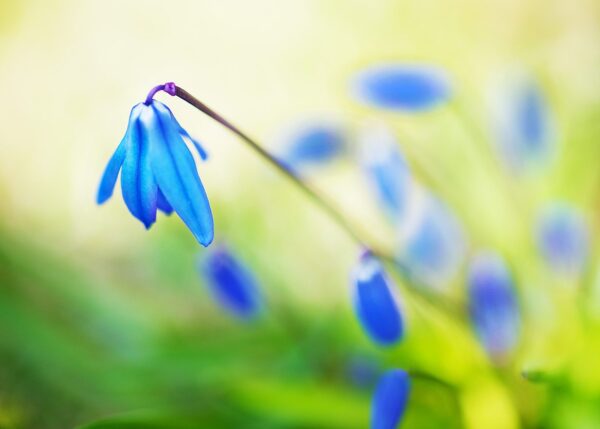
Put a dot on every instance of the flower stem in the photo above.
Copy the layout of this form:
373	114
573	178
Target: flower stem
453	309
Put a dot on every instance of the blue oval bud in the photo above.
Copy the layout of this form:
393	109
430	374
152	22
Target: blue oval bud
563	239
374	302
432	240
312	143
386	168
390	399
231	283
493	305
410	88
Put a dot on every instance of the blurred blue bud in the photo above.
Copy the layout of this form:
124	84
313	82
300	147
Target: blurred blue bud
231	283
375	303
386	168
390	399
523	125
158	171
493	305
401	87
432	242
313	143
563	239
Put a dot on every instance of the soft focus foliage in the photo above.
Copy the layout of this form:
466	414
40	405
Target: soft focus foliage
104	324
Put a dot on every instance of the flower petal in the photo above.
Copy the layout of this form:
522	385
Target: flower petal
137	180
390	399
186	135
162	203
374	302
176	173
402	87
231	283
109	178
492	304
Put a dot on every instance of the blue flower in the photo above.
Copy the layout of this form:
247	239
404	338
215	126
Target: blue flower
386	168
402	87
562	239
158	171
523	125
390	399
375	303
315	142
492	305
231	283
432	243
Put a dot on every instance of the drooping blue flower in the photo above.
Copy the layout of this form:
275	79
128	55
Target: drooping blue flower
313	143
158	171
493	305
386	168
390	399
432	244
523	125
231	283
375	303
563	239
401	87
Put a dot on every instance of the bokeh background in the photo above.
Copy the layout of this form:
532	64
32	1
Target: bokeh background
102	320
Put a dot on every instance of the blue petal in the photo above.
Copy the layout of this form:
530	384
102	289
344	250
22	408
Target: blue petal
374	302
402	87
175	172
314	143
493	305
184	133
386	168
231	283
137	180
109	178
563	239
390	399
162	203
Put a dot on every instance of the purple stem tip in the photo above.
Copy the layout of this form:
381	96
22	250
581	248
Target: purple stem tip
169	87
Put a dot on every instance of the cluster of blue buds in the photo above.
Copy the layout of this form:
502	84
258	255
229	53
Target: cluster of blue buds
157	169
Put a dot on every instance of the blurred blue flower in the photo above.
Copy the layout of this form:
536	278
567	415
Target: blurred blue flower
493	305
432	242
158	171
312	143
562	238
402	87
375	303
523	125
231	283
390	399
386	168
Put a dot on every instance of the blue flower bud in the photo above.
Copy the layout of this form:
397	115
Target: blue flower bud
390	399
492	305
158	171
375	303
386	168
563	239
401	87
432	243
523	125
313	143
231	283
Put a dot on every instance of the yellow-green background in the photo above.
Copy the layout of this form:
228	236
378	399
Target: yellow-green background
99	317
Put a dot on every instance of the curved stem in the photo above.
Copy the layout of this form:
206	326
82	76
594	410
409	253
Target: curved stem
452	309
